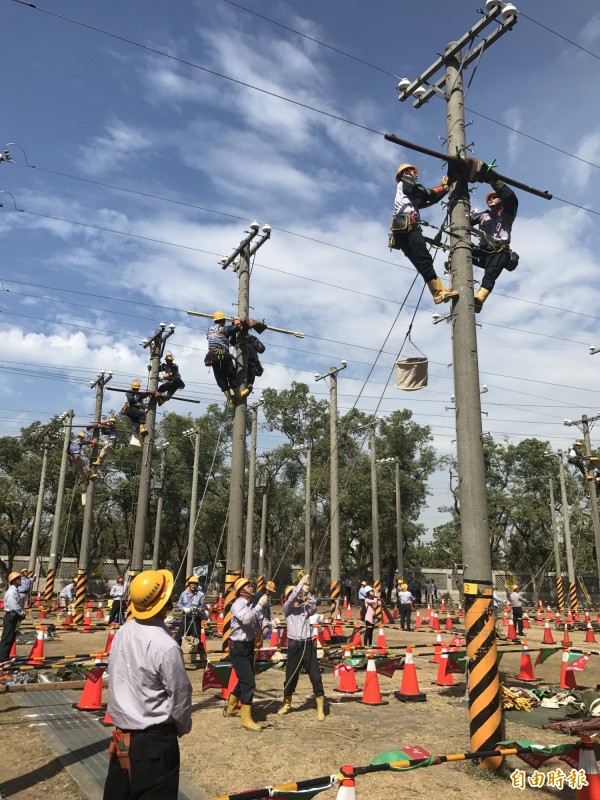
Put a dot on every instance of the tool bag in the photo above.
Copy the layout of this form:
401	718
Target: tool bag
214	356
401	223
412	373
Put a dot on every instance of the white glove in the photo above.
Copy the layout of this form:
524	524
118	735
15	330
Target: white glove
187	610
306	583
263	601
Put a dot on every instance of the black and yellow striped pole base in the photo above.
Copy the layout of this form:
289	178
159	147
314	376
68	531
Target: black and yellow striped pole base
80	596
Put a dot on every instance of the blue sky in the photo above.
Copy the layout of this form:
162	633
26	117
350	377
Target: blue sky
78	299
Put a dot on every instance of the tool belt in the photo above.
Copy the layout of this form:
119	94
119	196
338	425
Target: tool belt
401	223
119	747
214	356
510	259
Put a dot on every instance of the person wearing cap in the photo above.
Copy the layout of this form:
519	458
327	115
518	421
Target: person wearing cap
171	380
299	605
263	599
220	338
108	429
78	458
135	408
493	253
405	601
68	594
14	612
576	457
247	623
361	599
118	593
370	613
516	603
149	696
405	230
27	581
191	605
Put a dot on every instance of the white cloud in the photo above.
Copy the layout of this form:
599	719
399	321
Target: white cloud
120	144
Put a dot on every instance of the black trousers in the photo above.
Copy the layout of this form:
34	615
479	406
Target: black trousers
170	387
224	370
154	774
414	247
518	620
493	263
368	634
302	653
9	634
137	417
404	610
116	611
241	655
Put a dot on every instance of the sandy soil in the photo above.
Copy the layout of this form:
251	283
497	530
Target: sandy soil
221	757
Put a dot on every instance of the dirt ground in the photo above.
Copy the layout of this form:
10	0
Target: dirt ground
221	757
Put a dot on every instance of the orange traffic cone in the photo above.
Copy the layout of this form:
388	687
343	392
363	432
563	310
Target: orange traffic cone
505	620
348	613
347	790
396	614
317	635
371	695
203	636
347	675
107	719
567	677
587	617
557	619
444	678
547	638
428	611
443	606
385	617
435	622
409	688
548	612
337	628
566	642
569	617
587	764
448	621
42	613
418	619
68	623
87	622
526	623
220	600
274	640
381	642
576	616
91	697
437	649
589	634
220	622
37	651
100	611
109	638
598	617
539	619
326	632
356	640
526	672
511	631
38	600
226	690
13	649
459	613
345	603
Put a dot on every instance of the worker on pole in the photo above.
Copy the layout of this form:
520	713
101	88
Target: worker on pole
405	230
220	337
77	457
171	380
135	408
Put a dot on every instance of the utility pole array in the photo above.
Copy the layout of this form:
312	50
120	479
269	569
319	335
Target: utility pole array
88	511
67	421
485	713
334	484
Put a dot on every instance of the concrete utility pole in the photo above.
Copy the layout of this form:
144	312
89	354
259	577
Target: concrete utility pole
88	511
240	259
37	520
334	484
251	489
567	535
260	583
156	346
560	594
485	713
158	487
399	543
307	505
194	435
67	420
375	513
584	425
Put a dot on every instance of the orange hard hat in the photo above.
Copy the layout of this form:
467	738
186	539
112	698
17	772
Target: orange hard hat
489	196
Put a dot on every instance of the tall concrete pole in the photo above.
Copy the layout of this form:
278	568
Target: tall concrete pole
375	512
560	595
88	511
485	713
159	489
156	347
60	491
308	510
260	584
592	490
251	489
37	521
336	587
193	503
399	542
567	535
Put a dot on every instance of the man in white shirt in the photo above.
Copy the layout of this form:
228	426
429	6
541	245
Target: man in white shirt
14	612
150	696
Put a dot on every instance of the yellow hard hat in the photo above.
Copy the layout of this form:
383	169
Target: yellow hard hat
363	583
515	587
403	167
112	420
218	315
169	357
193	579
240	583
81	435
404	587
135	384
271	586
149	592
289	590
13	577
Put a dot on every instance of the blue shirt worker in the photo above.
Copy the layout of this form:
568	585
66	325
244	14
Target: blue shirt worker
405	601
14	612
362	593
68	594
78	458
302	652
149	697
247	622
118	593
220	336
516	602
191	604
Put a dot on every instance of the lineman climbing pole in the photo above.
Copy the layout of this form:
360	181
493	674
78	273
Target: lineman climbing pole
560	593
67	420
567	534
485	713
156	346
334	487
584	426
86	530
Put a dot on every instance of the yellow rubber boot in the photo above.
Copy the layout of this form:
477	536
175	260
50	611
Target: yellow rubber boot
229	396
320	708
479	299
439	292
287	704
247	721
231	709
241	393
